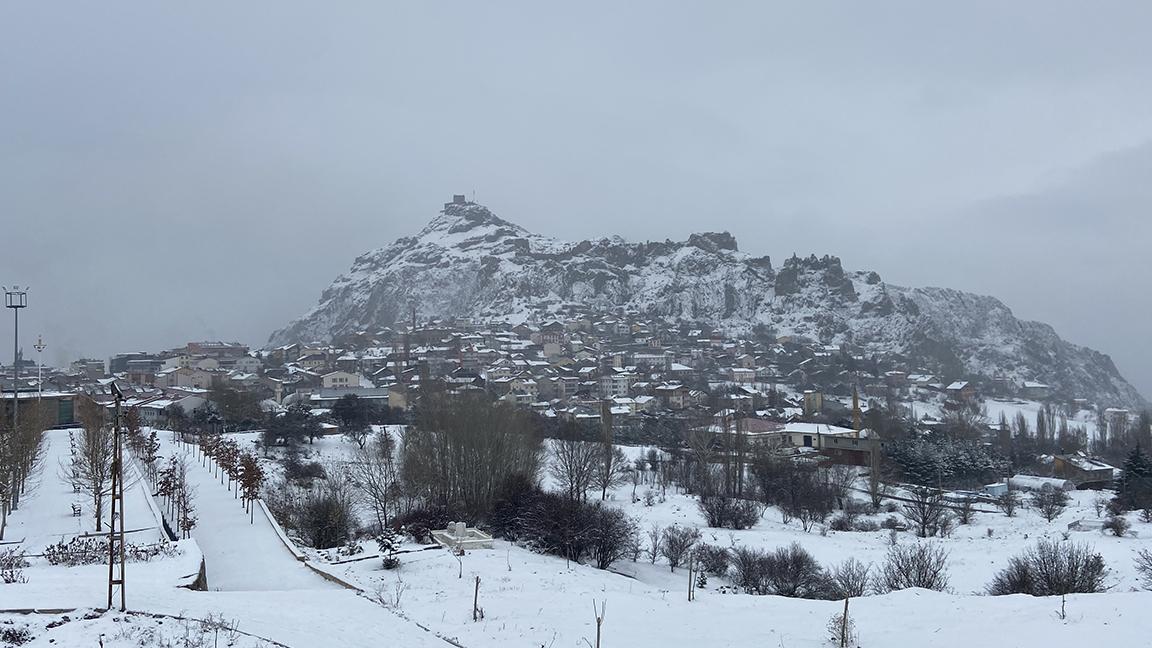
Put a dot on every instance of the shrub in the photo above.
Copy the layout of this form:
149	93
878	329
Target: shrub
841	523
325	520
1144	567
1052	568
676	542
419	523
12	564
559	525
749	570
713	560
849	523
389	545
728	512
516	495
842	630
613	533
15	636
850	579
892	522
94	550
649	497
793	572
916	565
296	470
1118	525
350	548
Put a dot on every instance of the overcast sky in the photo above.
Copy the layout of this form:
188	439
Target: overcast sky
170	173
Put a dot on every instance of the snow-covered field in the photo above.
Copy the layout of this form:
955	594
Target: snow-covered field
254	580
530	599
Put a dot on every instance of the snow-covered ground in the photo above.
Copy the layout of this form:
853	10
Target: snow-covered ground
285	602
45	515
245	552
530	599
537	600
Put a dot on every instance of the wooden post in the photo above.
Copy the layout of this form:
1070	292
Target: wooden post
691	578
476	601
599	619
844	626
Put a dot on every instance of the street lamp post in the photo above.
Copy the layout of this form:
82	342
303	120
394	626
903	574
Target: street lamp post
16	298
39	346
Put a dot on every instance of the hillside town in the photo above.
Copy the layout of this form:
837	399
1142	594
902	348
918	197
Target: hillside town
647	379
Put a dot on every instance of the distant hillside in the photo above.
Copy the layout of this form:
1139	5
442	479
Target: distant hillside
467	262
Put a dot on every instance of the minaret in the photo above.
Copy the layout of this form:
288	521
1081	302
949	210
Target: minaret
856	412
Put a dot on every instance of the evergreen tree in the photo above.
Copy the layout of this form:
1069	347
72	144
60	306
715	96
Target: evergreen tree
1135	484
1144	429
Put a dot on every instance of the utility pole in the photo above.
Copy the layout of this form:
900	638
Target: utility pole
16	298
116	524
39	346
606	439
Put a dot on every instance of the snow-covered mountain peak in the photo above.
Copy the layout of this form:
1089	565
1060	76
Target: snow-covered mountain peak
467	218
467	262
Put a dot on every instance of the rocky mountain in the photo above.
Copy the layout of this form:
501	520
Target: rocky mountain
467	262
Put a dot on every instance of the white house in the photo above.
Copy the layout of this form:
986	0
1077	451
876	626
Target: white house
339	380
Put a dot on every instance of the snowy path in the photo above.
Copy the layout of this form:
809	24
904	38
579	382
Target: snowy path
241	553
45	513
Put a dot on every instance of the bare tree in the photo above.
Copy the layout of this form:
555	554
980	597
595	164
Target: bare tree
611	535
966	510
676	544
839	479
20	455
91	467
612	470
1009	502
574	465
925	511
1144	567
655	534
373	470
251	479
1050	503
462	448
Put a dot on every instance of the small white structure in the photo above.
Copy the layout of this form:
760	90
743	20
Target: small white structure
1033	483
1086	525
459	536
